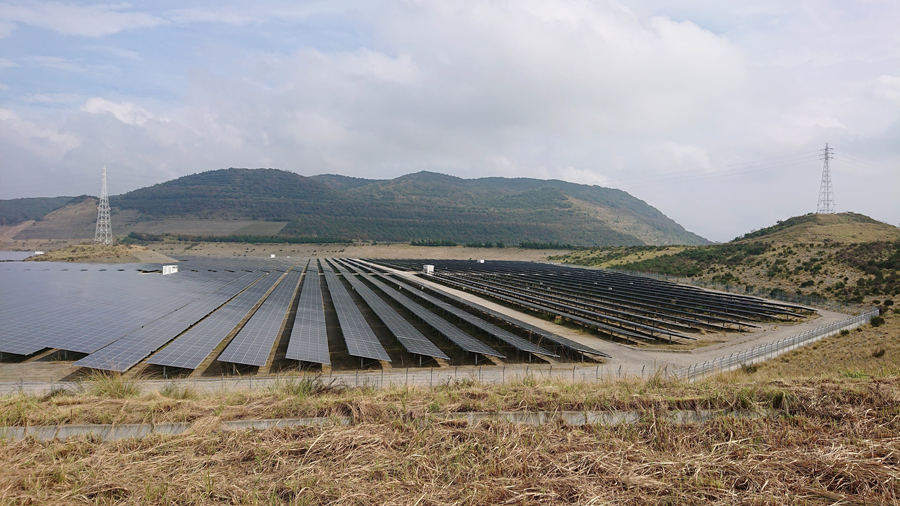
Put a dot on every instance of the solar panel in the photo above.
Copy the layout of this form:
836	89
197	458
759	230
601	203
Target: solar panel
124	353
361	341
309	339
546	335
190	349
501	334
253	343
409	336
83	312
442	326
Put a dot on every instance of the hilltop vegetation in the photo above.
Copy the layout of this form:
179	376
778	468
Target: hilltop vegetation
841	227
774	259
424	206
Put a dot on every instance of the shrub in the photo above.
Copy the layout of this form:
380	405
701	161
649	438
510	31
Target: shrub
876	321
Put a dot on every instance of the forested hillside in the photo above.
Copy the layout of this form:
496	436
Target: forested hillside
420	206
15	211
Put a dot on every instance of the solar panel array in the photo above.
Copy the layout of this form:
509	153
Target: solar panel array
622	305
65	308
545	335
190	349
126	352
442	326
309	338
180	320
361	341
501	334
411	339
253	343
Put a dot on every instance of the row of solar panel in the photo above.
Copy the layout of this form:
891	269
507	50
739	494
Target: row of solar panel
618	304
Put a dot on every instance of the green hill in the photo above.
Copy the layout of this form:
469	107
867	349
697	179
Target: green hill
15	211
840	227
424	206
847	257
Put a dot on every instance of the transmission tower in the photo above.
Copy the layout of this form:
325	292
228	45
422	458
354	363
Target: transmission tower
826	194
103	232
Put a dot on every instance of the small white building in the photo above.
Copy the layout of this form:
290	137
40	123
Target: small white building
169	269
272	255
38	253
481	261
428	269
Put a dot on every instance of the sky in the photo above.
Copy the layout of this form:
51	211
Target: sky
713	112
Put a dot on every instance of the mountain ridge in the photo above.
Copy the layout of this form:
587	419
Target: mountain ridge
421	205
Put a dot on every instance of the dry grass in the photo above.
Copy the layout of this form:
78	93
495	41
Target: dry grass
825	440
868	352
830	442
107	404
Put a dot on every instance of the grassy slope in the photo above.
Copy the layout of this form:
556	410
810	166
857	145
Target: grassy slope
841	227
852	271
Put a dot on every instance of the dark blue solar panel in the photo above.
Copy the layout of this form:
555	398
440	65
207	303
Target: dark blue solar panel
253	344
309	340
361	341
411	339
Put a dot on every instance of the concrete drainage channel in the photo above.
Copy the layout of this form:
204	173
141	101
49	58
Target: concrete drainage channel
535	418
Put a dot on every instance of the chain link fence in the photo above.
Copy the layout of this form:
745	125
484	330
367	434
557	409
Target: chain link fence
771	350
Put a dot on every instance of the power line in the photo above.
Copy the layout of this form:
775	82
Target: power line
735	167
699	175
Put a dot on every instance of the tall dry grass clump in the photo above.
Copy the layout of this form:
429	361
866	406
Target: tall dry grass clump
110	384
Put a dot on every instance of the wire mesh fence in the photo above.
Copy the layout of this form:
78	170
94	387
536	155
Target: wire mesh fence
771	350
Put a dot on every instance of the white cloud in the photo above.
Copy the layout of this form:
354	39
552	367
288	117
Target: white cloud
4	63
888	88
13	125
3	86
126	112
70	19
672	156
596	92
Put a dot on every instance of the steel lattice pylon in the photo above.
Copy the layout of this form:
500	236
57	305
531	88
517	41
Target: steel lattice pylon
826	195
103	232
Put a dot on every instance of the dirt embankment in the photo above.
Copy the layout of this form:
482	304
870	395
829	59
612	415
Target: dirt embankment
103	254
